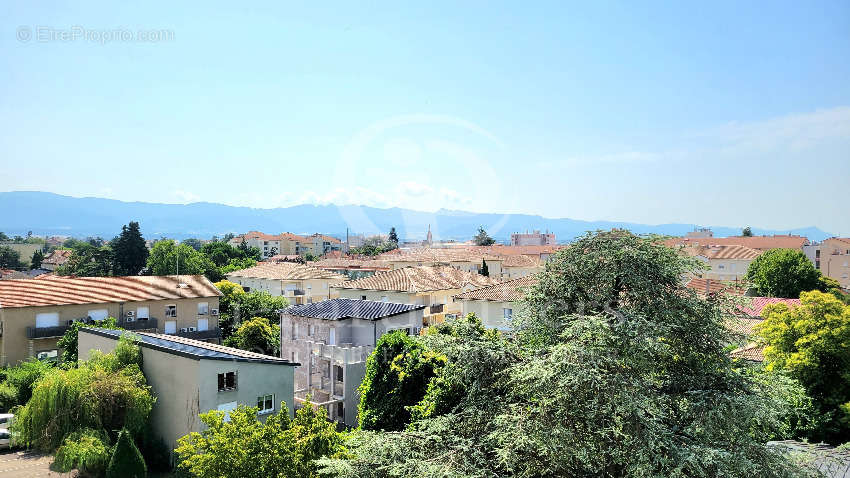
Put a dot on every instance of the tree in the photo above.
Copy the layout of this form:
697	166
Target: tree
10	258
37	259
88	260
393	237
397	375
129	251
194	243
783	273
243	446
812	342
747	232
256	335
69	341
482	238
127	461
616	370
23	377
485	271
164	257
3	237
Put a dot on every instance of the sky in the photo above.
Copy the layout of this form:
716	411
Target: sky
714	113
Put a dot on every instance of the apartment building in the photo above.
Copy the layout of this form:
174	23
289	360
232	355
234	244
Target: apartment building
726	262
191	377
431	286
496	304
535	238
36	313
352	267
288	244
331	341
832	258
759	243
299	283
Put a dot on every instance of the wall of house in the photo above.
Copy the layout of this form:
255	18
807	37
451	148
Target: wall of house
727	269
314	289
253	380
517	272
835	261
15	346
491	313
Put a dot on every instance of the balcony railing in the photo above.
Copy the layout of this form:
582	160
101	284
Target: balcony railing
436	309
46	332
139	324
201	334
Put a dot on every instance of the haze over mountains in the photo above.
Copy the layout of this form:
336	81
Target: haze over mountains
46	213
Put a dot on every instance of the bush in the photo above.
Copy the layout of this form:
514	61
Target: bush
155	451
127	461
69	342
86	450
24	376
8	396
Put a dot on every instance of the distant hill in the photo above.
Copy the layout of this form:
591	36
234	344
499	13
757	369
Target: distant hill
47	213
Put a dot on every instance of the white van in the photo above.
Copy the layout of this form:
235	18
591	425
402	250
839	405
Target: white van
5	438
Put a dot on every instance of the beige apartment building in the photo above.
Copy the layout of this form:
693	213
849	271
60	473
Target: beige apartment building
496	304
191	377
331	341
288	244
832	258
725	262
468	259
36	313
299	283
535	238
431	286
759	243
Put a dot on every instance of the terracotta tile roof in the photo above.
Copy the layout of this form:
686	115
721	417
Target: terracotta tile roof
428	255
508	291
719	251
283	258
285	271
757	304
353	263
761	243
59	290
330	239
752	351
270	237
58	257
419	279
714	286
744	325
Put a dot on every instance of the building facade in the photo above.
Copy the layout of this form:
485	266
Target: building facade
191	377
331	341
832	258
496	304
36	313
299	283
535	238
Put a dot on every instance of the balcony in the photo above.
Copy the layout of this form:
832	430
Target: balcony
46	332
201	334
139	324
436	309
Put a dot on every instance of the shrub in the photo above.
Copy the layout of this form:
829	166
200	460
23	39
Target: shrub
86	450
69	342
8	396
127	461
24	376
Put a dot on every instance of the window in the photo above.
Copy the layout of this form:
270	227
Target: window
171	327
507	313
48	355
203	324
203	308
143	313
98	314
48	319
332	336
265	403
385	298
292	327
721	266
226	381
311	329
292	357
340	411
362	297
171	311
227	408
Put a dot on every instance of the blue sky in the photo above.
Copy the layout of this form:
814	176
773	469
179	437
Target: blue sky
725	113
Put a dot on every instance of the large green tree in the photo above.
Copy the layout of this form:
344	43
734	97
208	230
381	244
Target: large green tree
482	238
256	335
166	255
812	342
129	252
10	258
616	370
88	260
783	273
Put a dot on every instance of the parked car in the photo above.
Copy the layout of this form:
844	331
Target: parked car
5	438
6	420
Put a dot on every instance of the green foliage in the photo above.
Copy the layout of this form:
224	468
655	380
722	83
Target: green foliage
393	236
194	243
10	258
129	252
374	246
244	446
85	450
485	271
799	415
812	342
482	238
37	259
68	342
88	260
8	397
23	377
126	461
747	232
397	375
260	304
309	257
783	273
108	392
616	370
256	335
228	258
165	255
3	237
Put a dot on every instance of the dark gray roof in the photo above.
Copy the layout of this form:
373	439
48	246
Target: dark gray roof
194	349
831	462
336	309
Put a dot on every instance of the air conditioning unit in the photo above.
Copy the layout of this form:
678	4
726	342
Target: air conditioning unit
184	329
71	321
131	313
130	318
190	329
213	311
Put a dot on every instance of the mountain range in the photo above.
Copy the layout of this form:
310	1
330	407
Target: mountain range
45	213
